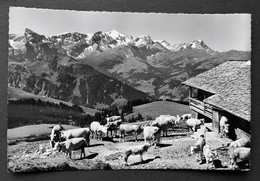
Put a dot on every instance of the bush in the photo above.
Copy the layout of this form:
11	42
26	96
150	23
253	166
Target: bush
139	117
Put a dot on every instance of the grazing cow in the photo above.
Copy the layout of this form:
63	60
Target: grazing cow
136	150
76	133
194	124
198	148
152	134
224	126
184	117
113	126
209	154
55	134
242	142
172	119
71	145
129	129
163	122
241	153
97	129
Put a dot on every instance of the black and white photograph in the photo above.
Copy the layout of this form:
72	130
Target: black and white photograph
97	90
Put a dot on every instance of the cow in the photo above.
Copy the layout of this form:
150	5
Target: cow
198	148
224	126
70	145
97	129
241	153
113	126
136	150
184	117
129	129
172	119
194	123
242	142
76	133
209	154
164	122
152	134
55	134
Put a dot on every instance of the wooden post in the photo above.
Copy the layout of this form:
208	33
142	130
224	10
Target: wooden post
194	114
190	91
215	120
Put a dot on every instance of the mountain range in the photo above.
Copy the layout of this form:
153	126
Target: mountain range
104	68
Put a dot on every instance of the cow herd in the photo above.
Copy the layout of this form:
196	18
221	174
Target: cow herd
77	139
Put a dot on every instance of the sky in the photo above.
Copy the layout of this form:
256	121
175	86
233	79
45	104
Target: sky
221	32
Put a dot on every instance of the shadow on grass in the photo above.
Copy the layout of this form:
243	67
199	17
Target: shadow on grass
91	156
217	164
93	145
162	145
144	161
109	139
131	140
174	135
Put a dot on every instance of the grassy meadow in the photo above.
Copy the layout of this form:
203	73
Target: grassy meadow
154	109
15	93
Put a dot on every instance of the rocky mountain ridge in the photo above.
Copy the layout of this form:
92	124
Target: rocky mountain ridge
154	67
42	67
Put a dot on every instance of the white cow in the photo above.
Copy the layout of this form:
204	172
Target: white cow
129	129
55	134
70	145
184	117
197	149
152	134
209	154
173	119
97	129
164	122
136	150
194	123
113	126
224	126
242	142
242	153
76	133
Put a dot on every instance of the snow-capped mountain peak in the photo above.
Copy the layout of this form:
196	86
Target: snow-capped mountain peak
143	40
114	34
165	44
199	44
196	44
99	41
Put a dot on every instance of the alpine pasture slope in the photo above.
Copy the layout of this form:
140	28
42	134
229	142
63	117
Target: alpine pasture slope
152	110
31	155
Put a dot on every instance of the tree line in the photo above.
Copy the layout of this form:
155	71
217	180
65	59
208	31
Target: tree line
39	102
31	111
35	111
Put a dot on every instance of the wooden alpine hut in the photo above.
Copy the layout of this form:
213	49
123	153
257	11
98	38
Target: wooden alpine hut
224	90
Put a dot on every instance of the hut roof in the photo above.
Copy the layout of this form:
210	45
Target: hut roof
231	85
